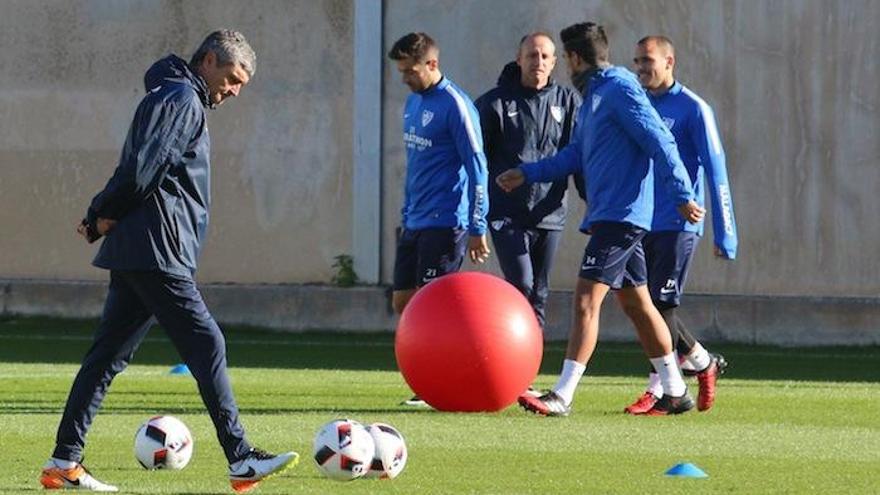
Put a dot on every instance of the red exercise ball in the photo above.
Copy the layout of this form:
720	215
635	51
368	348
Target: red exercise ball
468	342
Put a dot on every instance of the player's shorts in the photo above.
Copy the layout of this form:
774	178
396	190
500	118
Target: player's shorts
614	255
668	256
423	255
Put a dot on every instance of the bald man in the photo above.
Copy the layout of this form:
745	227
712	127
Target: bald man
527	117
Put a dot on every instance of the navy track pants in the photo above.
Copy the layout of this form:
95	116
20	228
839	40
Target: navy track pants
134	298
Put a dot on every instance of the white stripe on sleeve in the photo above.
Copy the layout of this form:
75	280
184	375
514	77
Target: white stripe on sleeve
708	121
466	117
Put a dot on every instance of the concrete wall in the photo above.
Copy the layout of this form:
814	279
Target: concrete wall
794	87
281	151
793	84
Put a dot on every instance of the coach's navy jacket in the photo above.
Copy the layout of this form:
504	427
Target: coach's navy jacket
522	125
160	191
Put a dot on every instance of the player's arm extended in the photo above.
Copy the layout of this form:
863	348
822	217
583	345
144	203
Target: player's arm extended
556	167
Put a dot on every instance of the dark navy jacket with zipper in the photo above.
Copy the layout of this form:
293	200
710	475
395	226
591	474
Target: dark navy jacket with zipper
160	190
522	125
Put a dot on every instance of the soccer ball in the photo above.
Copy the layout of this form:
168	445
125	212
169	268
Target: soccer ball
390	456
163	442
343	450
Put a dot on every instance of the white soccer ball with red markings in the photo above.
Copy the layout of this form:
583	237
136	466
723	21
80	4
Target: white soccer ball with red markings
343	450
390	456
163	442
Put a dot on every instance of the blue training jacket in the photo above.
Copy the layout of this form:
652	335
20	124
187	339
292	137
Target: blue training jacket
692	122
617	135
160	190
445	165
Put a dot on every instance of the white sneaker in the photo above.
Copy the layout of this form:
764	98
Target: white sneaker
55	477
245	474
415	401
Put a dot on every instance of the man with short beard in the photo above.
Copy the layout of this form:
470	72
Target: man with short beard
444	197
671	244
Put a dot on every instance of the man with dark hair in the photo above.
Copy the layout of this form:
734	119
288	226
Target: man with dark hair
525	118
153	215
670	246
445	202
617	137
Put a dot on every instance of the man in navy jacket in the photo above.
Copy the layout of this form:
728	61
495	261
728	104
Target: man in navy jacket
525	118
153	215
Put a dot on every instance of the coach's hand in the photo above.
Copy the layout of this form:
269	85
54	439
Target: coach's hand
510	179
691	211
102	227
478	248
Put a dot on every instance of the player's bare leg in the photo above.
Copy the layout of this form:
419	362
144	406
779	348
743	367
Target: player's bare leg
588	299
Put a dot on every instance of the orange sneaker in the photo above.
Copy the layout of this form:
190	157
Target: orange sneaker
78	477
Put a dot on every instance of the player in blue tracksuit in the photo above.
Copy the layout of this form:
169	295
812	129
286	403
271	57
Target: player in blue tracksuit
618	136
444	200
528	116
153	215
670	245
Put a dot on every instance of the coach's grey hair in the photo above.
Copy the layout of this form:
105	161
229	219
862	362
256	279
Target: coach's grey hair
230	47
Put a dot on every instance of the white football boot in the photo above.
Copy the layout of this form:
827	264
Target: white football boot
244	475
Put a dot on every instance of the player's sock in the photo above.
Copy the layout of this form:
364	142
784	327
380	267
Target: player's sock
686	339
572	371
670	375
699	357
654	385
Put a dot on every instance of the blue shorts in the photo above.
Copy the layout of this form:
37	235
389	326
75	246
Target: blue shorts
669	255
423	255
614	255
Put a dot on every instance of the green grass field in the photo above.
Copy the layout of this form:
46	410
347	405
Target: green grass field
786	420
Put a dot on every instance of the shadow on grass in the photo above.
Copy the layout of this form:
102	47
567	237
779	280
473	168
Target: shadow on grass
46	340
150	409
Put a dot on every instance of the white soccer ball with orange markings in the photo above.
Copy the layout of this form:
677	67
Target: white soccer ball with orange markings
343	450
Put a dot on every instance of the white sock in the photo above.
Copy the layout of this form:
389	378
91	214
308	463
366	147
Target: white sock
63	463
654	385
683	363
699	357
670	375
572	371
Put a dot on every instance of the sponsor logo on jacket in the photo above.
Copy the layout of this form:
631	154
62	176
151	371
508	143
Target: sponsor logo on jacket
414	141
